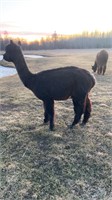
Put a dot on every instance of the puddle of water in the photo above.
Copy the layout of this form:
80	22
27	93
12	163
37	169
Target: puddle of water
7	71
1	57
33	56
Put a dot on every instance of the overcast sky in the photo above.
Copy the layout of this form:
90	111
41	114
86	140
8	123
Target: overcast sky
62	16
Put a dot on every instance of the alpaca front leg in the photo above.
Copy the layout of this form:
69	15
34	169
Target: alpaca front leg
98	70
46	115
87	112
50	112
78	109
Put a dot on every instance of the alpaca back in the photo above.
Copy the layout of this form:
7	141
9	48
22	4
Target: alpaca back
101	58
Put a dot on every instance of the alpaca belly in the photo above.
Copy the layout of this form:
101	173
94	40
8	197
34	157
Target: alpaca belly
60	93
54	94
61	98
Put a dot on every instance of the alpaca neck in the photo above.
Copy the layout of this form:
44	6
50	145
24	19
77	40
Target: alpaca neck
22	69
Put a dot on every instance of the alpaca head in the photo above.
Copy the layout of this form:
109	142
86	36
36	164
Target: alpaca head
12	51
94	67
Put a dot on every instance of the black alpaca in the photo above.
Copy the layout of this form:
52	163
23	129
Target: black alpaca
55	84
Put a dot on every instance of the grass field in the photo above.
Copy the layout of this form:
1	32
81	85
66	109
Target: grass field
37	164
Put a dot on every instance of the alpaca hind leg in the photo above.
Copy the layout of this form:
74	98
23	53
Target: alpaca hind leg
87	110
104	69
101	70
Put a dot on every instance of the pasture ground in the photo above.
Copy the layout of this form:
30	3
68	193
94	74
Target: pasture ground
37	164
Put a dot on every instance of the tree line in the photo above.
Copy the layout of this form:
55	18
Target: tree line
84	40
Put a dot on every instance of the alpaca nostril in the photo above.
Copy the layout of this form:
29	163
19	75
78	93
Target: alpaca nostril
4	57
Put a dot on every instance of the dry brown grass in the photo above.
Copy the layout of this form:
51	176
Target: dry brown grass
65	164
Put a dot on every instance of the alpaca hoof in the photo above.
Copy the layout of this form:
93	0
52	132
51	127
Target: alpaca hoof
82	124
41	124
45	123
52	129
70	126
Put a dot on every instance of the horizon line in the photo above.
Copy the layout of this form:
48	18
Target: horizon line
5	32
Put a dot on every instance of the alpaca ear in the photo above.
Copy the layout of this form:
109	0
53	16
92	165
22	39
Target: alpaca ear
19	43
11	42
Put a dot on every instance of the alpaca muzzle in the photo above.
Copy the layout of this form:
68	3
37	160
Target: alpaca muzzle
6	57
